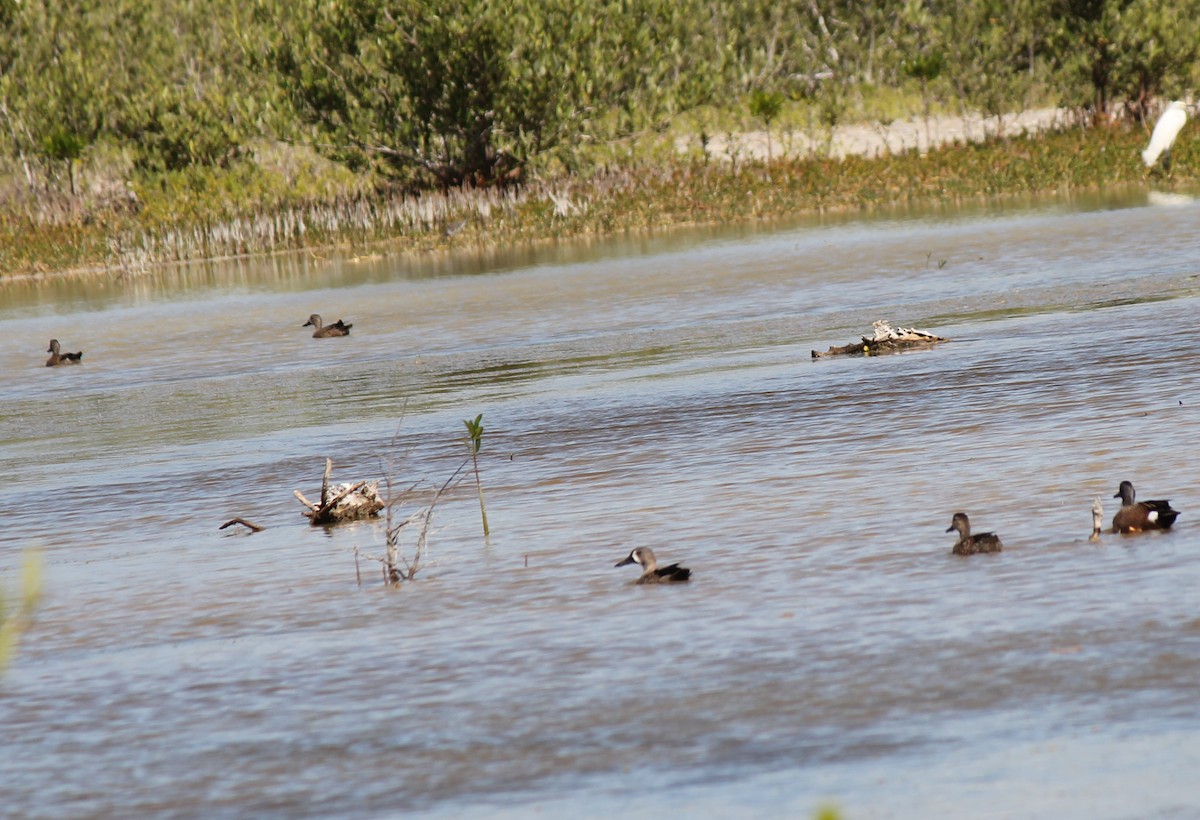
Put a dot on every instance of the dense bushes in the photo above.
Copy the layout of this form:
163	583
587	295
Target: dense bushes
169	81
444	92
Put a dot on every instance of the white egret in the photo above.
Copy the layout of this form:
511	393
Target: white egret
1165	131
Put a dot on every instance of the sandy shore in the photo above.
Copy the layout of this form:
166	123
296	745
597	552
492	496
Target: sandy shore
875	138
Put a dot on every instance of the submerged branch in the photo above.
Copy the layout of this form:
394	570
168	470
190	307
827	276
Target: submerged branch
244	523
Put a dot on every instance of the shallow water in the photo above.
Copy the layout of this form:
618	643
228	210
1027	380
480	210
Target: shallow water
652	391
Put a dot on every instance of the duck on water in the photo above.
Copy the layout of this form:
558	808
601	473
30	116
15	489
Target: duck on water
652	573
338	328
968	544
58	358
1138	516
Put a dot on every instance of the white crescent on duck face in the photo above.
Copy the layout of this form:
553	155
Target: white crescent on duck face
652	573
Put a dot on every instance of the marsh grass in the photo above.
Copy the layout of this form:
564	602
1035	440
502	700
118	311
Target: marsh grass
279	202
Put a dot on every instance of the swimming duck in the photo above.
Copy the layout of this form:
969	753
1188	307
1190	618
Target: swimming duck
338	328
1143	515
652	573
57	358
970	544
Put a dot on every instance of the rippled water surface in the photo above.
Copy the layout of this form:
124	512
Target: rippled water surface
652	392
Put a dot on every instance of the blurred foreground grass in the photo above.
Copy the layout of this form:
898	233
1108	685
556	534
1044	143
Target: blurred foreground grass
15	617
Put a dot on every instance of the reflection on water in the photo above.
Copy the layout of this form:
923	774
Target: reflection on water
655	392
330	268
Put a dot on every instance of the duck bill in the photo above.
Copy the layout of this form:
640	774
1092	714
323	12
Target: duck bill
949	529
628	560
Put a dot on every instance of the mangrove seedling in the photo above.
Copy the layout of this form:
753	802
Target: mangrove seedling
474	442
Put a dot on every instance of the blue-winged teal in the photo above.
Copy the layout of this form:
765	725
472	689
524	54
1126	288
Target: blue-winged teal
338	328
652	573
1142	515
57	358
970	544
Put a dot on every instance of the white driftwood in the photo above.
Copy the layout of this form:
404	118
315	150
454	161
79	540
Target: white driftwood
885	332
1097	519
885	339
342	502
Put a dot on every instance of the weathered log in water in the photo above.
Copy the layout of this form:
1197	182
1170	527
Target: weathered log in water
342	502
886	339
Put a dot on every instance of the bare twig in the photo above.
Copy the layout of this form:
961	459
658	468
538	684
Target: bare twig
390	567
395	557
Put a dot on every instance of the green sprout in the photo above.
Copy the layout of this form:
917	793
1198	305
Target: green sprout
474	442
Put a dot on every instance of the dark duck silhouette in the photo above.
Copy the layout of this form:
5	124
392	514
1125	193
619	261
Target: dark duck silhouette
968	544
320	331
1141	515
652	573
57	357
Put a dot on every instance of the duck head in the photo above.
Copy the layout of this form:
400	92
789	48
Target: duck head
961	523
642	556
1125	493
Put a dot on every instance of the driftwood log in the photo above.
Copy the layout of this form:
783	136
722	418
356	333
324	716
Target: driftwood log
342	502
886	339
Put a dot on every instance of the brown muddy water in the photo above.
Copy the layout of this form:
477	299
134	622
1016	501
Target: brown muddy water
655	392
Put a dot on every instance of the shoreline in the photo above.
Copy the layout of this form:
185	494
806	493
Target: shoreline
879	166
